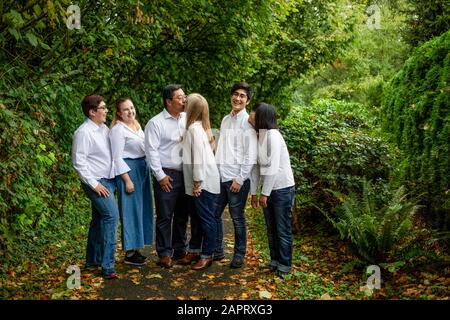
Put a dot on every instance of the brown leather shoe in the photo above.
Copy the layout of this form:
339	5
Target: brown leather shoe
189	258
165	262
202	264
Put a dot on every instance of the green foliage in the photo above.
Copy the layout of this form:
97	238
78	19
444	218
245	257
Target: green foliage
426	19
360	70
376	227
310	34
416	108
332	146
131	48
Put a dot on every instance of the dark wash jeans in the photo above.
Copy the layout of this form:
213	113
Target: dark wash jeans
278	216
205	206
172	214
236	205
102	236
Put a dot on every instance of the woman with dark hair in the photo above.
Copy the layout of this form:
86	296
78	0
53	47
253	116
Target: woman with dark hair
133	182
278	188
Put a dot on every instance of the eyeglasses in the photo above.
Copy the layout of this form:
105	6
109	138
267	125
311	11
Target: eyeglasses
180	97
239	95
101	108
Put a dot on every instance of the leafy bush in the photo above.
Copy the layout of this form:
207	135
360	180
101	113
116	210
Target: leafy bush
375	226
417	113
131	49
332	146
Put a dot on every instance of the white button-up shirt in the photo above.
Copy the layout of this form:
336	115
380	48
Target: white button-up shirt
125	143
199	163
274	165
236	148
91	153
163	135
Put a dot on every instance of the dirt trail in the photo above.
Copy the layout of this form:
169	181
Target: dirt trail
151	282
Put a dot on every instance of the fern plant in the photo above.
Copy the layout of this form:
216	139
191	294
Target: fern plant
375	229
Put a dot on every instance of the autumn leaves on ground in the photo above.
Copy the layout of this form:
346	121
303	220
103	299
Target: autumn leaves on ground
323	268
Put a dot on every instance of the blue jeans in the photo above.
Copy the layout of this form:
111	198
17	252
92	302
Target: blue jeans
236	205
278	216
172	214
102	236
205	206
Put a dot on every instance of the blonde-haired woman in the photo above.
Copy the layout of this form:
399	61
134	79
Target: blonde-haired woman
133	181
201	176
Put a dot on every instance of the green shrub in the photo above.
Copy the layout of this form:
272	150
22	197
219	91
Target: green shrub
376	227
332	146
417	112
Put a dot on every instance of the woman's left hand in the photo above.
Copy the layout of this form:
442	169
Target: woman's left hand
263	201
254	201
197	189
129	187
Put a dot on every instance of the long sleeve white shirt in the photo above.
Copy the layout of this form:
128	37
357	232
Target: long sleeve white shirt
274	165
163	135
199	163
91	153
125	143
236	148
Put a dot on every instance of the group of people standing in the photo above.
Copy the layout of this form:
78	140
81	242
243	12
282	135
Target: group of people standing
194	178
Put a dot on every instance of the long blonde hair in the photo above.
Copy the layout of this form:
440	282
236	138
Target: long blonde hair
197	110
116	117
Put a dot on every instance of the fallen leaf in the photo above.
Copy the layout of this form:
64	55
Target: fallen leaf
264	294
325	296
245	295
366	290
153	275
134	271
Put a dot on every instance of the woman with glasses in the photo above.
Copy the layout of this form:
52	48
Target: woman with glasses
133	182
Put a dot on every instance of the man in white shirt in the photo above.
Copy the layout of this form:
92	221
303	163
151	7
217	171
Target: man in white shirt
163	135
235	157
91	158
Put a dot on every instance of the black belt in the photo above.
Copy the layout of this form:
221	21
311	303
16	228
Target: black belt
168	170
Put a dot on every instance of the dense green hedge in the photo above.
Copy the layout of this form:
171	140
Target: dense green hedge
332	146
417	113
132	48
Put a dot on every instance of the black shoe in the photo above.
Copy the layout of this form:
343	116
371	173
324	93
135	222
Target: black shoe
218	257
135	259
140	255
237	262
179	255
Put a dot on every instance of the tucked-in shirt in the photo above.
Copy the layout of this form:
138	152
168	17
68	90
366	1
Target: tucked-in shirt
163	135
199	163
274	165
91	153
125	143
236	148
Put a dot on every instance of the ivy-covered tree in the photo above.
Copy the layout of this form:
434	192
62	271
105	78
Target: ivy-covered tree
417	112
426	19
